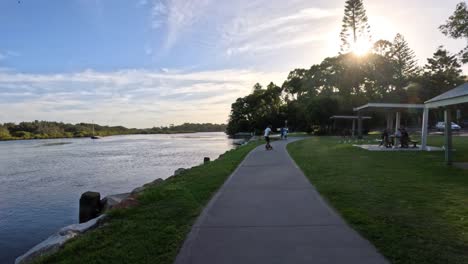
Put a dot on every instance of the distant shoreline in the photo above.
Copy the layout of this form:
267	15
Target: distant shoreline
53	130
165	133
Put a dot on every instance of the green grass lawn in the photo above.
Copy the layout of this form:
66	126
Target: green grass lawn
154	231
410	205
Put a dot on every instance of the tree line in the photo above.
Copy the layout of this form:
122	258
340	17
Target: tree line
46	129
388	72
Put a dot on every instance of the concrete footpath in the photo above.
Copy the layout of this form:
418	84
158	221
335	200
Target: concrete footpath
267	212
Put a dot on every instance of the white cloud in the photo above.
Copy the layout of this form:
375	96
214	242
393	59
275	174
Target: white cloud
158	14
233	26
253	33
177	17
270	46
298	18
136	98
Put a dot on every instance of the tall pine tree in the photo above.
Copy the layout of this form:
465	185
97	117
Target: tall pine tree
355	27
406	64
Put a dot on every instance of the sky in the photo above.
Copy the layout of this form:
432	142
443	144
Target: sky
145	63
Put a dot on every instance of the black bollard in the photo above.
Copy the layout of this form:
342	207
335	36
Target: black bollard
206	160
90	206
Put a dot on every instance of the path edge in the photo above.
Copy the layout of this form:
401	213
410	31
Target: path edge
331	207
186	248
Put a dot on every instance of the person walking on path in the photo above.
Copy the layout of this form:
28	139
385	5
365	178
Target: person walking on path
267	138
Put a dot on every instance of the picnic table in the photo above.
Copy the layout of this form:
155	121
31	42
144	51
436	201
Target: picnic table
392	141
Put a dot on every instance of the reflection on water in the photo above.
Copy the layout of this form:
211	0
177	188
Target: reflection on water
54	144
41	180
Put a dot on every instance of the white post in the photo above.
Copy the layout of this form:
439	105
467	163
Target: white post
389	121
359	125
397	121
397	126
425	124
448	137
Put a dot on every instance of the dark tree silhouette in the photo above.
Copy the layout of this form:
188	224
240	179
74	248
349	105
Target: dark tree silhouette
355	26
406	64
457	27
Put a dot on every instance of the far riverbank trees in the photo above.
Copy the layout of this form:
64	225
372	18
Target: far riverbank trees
46	129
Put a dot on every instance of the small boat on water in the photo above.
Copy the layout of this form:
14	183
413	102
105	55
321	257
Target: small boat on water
94	136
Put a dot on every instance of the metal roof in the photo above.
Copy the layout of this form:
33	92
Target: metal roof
384	105
458	95
350	117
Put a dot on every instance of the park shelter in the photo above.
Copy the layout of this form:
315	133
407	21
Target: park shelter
353	118
456	96
392	110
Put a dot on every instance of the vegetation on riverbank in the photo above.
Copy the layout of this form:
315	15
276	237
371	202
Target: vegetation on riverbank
46	129
410	205
154	231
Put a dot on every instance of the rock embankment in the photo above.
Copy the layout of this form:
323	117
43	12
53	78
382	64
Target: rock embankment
92	215
56	241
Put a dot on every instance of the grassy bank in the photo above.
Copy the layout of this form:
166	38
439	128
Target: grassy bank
411	206
154	231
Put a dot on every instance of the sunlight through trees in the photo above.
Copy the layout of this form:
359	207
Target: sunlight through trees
385	71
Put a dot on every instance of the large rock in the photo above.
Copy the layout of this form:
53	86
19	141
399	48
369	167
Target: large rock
138	190
179	171
56	241
90	206
254	138
111	201
82	228
154	183
48	246
127	203
239	142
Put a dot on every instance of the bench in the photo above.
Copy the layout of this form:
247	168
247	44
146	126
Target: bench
414	142
382	143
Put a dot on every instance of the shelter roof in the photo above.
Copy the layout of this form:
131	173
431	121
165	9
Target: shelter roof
388	106
458	95
349	117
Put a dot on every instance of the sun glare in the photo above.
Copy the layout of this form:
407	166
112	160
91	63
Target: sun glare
362	47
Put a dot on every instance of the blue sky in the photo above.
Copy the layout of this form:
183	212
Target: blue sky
143	63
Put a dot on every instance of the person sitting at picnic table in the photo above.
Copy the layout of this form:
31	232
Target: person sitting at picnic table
404	139
385	139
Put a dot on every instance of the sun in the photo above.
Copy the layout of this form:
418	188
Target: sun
361	47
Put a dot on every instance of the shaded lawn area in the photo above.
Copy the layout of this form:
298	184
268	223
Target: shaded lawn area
154	231
410	205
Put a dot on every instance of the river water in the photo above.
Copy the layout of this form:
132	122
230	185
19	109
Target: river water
41	180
